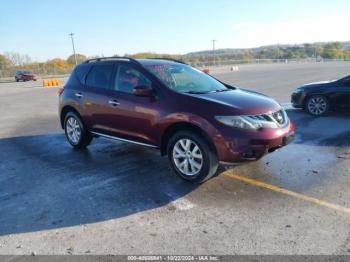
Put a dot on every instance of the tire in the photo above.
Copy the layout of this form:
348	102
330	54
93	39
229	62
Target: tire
75	131
317	105
17	80
182	153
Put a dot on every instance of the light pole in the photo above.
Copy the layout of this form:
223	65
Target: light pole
75	56
214	41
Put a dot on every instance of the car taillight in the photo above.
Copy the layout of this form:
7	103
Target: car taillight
60	91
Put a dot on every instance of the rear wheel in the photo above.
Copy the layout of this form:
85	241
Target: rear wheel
317	105
75	131
191	157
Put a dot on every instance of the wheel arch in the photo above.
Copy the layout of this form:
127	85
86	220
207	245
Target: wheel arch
326	95
180	126
65	110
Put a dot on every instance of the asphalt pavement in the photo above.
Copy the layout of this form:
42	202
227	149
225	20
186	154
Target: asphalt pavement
117	198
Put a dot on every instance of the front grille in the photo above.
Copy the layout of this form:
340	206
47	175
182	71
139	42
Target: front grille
279	117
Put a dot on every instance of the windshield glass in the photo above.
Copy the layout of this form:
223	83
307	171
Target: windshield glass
185	79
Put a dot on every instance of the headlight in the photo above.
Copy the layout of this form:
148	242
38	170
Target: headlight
277	119
238	122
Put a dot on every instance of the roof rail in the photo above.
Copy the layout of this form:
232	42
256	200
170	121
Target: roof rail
170	59
112	58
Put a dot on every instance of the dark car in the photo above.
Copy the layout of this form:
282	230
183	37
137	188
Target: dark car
188	115
25	75
321	97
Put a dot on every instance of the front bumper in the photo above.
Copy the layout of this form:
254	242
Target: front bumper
297	99
246	145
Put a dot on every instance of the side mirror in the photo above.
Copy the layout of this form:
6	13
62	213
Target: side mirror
145	91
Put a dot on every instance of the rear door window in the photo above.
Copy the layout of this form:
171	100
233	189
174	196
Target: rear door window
100	76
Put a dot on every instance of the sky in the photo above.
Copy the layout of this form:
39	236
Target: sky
40	28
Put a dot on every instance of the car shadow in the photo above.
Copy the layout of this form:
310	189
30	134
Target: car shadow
45	184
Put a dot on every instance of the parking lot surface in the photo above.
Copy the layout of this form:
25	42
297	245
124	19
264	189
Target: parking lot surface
117	198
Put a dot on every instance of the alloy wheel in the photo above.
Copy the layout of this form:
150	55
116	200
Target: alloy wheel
73	130
187	157
317	105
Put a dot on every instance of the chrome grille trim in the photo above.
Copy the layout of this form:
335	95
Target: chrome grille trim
275	119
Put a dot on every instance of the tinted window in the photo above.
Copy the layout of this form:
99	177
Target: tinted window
100	76
81	72
128	78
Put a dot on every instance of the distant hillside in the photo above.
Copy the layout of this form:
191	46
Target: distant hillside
272	49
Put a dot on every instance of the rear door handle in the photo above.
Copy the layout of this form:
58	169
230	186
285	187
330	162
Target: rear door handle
113	102
79	95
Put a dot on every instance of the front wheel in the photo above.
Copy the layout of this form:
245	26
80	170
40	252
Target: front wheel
75	131
191	157
317	105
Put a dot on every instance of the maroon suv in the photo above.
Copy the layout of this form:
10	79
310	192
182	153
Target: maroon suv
24	75
188	115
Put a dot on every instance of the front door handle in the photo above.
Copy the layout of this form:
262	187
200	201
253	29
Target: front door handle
79	95
113	103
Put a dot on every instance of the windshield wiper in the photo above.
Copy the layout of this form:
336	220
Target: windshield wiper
222	90
197	92
207	92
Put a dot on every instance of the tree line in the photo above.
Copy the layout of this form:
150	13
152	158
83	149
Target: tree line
12	61
317	52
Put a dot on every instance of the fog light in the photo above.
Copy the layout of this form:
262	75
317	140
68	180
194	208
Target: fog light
250	154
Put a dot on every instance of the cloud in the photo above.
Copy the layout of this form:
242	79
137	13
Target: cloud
294	31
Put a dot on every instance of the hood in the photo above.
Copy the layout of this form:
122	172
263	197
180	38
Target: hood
318	83
243	101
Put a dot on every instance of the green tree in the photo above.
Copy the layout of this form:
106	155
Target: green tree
80	58
5	66
5	62
59	66
333	51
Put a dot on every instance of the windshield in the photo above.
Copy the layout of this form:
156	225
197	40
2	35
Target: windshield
185	79
24	72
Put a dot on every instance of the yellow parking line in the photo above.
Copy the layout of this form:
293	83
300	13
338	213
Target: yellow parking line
287	192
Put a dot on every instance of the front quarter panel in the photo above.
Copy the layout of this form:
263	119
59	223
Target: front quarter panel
184	117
